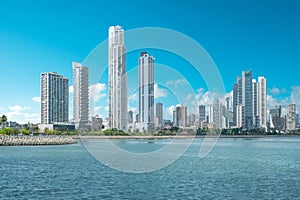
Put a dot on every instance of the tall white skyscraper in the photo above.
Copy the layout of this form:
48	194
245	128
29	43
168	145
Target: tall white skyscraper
80	94
117	79
259	102
256	120
262	101
146	90
218	114
54	98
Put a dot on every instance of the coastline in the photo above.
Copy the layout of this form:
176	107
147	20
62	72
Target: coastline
35	140
152	137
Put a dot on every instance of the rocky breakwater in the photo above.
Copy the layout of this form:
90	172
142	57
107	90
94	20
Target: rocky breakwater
35	140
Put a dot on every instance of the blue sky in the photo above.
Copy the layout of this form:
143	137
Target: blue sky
41	36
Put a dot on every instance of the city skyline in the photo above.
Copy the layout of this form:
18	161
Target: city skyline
244	39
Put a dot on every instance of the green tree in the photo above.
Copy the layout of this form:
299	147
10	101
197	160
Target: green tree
6	131
107	132
3	120
25	131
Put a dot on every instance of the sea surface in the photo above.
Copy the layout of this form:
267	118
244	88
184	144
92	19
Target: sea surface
256	168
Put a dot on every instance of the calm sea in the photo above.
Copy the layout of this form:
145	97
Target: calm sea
266	168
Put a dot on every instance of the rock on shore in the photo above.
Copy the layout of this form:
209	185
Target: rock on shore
35	140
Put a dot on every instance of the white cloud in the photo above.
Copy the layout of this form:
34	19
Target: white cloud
106	108
22	117
36	99
96	91
205	98
97	109
159	92
71	89
2	108
19	108
189	96
177	82
22	114
169	111
276	91
133	97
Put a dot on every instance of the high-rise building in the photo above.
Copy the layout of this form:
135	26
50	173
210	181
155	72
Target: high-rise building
218	114
146	88
243	96
256	120
54	98
181	116
262	101
80	94
277	122
202	114
175	118
191	120
97	123
259	103
239	116
159	114
235	103
130	117
227	101
146	92
117	79
292	118
229	118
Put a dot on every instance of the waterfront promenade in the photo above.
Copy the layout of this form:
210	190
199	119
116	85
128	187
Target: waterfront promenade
35	140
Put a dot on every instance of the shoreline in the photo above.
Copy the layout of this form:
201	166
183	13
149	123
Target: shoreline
152	137
35	140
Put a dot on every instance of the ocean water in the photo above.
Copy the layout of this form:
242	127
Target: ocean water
265	168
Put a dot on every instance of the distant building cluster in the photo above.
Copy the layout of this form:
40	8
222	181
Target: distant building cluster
245	108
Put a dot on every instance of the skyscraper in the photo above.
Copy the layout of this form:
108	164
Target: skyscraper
159	113
277	122
202	113
243	96
262	101
191	120
239	115
256	120
235	103
175	118
292	118
181	116
218	114
259	103
54	98
146	88
80	94
117	79
130	117
146	92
